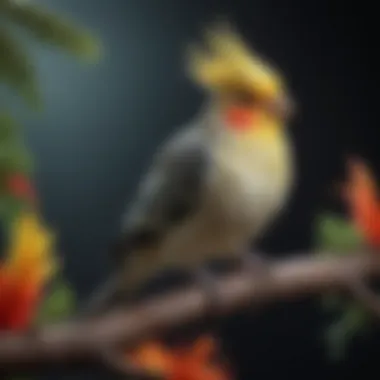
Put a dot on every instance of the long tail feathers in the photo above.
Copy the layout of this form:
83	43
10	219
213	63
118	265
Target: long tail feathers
122	287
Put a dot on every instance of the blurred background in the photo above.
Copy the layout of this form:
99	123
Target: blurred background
103	122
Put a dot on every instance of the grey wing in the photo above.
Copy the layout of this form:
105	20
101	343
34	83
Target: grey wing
169	194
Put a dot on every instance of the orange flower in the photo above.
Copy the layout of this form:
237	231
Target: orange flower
361	195
193	362
24	273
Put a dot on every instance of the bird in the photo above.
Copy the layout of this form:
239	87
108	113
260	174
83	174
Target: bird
219	181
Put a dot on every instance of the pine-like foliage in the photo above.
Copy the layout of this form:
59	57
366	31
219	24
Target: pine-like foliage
18	19
19	204
16	67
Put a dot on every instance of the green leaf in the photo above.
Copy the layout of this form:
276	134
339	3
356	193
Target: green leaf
10	208
59	304
14	155
14	158
336	235
353	321
50	28
8	127
17	70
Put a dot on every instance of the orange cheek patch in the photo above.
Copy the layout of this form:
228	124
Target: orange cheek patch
240	118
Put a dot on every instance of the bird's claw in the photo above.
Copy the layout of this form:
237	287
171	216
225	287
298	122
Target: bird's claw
256	264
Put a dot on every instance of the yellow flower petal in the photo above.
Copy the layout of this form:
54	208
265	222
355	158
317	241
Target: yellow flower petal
30	252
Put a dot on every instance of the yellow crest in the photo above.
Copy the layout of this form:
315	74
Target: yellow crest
227	63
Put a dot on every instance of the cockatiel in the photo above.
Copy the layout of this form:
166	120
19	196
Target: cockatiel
220	180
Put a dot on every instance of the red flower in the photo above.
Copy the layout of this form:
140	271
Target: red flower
193	362
24	273
18	302
361	195
20	186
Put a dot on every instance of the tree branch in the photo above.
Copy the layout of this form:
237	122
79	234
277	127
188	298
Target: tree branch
81	343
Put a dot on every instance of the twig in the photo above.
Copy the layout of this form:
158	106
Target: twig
79	343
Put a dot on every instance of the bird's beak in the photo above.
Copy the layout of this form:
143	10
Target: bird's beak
284	106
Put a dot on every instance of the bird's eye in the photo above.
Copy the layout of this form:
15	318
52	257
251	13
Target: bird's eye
244	98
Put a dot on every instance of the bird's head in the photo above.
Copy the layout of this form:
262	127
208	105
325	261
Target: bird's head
249	91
